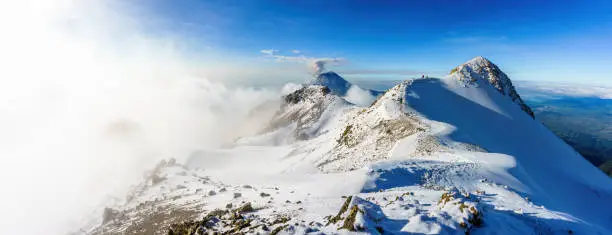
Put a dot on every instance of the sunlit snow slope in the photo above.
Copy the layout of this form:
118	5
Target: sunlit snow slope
430	156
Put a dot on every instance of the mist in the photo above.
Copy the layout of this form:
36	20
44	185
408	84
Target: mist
89	101
359	96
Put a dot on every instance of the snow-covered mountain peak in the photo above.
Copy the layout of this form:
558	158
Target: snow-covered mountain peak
303	110
341	87
479	60
429	156
390	105
337	84
306	93
482	69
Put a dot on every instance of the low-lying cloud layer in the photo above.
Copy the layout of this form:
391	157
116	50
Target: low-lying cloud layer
89	101
575	90
359	96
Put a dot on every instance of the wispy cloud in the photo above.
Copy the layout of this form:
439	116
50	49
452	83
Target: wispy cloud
321	64
318	64
271	52
474	39
408	72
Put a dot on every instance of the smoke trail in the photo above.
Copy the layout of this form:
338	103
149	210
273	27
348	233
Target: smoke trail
317	65
88	102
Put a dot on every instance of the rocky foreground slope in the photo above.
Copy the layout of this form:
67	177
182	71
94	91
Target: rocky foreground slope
454	155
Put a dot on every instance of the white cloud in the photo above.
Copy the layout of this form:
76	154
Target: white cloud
317	64
359	96
407	72
296	51
271	52
290	88
85	109
576	90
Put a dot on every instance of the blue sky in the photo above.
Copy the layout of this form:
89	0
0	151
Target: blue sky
561	40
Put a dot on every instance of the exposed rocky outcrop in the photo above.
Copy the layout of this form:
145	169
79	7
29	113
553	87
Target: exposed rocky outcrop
304	108
481	68
370	133
305	93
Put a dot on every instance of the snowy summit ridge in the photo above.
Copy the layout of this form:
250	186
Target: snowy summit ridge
455	155
480	68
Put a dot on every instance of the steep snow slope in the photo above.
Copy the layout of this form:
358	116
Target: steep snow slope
545	168
549	168
431	156
480	68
